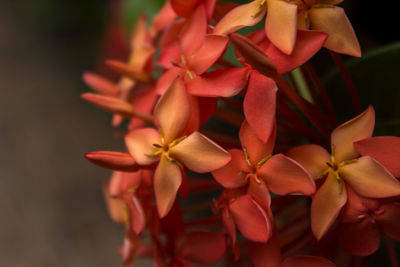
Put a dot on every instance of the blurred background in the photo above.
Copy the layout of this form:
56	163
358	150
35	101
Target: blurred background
51	202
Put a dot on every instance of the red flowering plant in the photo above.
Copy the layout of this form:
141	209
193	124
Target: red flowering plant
227	159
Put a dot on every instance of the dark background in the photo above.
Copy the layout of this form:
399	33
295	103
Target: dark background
52	211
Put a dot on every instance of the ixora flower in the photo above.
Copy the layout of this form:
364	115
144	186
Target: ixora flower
171	149
285	17
344	168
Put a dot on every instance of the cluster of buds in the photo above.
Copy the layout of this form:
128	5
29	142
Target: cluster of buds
225	158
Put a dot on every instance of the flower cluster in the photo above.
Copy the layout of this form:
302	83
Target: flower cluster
225	158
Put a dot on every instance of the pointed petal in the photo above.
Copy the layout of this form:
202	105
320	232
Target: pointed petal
116	207
361	238
281	25
169	55
143	102
164	17
121	182
109	103
128	71
389	220
385	149
370	179
165	81
183	8
253	55
285	176
211	50
167	180
251	219
307	44
260	95
326	205
113	160
100	84
312	157
225	83
244	15
203	247
140	143
259	192
136	214
342	138
193	32
200	154
256	150
234	173
306	261
341	36
173	111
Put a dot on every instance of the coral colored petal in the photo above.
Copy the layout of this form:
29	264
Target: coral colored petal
101	84
266	255
229	224
169	55
203	247
260	105
306	261
140	143
385	149
281	25
109	103
341	36
183	8
211	50
200	154
225	83
389	220
326	205
259	192
244	15
167	78
342	138
256	150
113	160
193	32
253	55
173	111
312	157
194	120
164	17
354	208
127	70
251	219
234	173
370	179
136	214
143	102
307	44
284	176
361	238
121	182
167	179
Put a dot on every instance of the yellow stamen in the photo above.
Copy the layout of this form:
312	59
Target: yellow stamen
259	164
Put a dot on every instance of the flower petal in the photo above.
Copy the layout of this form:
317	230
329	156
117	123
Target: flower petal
312	157
361	238
167	179
342	138
281	24
385	149
165	81
121	182
244	15
306	261
260	96
389	220
110	103
251	219
164	17
285	176
326	205
341	36
259	192
136	214
113	160
266	255
211	50
140	143
183	8
370	179
229	224
234	173
203	247
193	32
100	84
256	150
225	83
200	154
173	111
